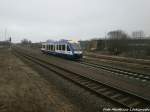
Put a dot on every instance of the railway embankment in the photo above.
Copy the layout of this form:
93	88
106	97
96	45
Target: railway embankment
23	90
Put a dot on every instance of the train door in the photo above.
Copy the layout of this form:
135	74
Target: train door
69	50
48	47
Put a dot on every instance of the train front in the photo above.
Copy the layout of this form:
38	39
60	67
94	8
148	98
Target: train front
77	52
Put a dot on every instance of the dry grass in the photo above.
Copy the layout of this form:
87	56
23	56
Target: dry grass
23	90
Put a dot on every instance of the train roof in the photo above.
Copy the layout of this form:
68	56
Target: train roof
63	41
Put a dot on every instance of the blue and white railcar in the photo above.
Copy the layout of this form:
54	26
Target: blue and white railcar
62	48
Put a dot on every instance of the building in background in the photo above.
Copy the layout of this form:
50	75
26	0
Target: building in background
138	34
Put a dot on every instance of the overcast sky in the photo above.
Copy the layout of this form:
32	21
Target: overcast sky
39	20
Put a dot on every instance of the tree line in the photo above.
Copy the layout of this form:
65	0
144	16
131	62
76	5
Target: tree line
119	42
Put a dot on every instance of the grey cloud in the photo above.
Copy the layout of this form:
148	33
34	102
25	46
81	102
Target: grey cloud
39	20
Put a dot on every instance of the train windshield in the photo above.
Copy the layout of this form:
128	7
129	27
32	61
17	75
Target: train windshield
76	46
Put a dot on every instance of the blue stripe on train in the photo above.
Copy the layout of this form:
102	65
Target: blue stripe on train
68	56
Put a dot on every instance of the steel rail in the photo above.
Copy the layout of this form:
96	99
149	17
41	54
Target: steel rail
122	59
138	76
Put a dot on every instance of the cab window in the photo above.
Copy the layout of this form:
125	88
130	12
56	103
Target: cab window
68	49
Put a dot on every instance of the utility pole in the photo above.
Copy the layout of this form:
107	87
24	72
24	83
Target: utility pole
105	42
0	35
5	34
10	42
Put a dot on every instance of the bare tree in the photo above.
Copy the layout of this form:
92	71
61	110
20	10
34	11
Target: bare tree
26	42
117	41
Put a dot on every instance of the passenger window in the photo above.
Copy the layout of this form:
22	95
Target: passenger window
49	47
46	47
54	47
63	47
59	47
68	49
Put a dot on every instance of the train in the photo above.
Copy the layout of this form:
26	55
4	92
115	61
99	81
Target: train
62	48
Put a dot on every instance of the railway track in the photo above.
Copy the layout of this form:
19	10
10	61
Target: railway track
116	95
130	74
121	59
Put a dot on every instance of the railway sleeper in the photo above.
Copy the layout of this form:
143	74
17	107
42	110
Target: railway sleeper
102	90
81	79
134	104
87	83
115	95
125	99
108	93
96	87
92	85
